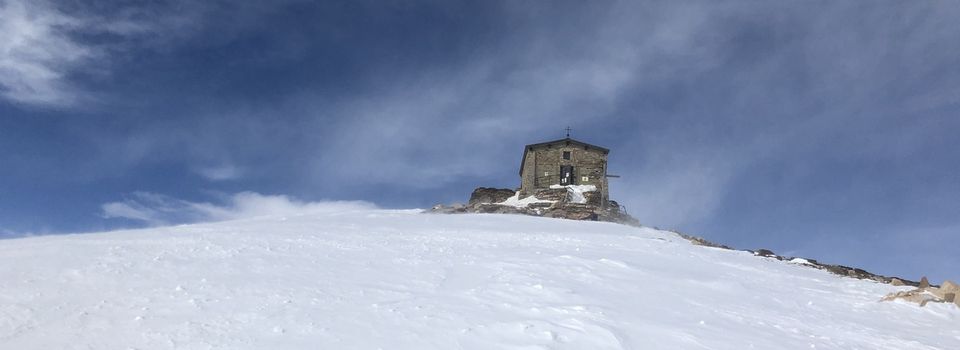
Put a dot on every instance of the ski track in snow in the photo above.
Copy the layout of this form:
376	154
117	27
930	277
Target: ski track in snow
382	279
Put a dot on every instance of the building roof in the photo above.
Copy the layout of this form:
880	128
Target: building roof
565	141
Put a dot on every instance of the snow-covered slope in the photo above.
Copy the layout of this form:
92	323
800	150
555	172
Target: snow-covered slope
377	279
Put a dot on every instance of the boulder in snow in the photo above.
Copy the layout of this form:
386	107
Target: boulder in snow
925	293
766	253
947	288
484	195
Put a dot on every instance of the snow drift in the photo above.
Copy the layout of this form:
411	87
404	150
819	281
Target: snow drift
369	279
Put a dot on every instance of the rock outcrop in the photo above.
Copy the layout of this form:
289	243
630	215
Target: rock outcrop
485	195
926	293
840	270
568	202
947	291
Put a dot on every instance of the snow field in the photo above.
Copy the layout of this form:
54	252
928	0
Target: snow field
381	279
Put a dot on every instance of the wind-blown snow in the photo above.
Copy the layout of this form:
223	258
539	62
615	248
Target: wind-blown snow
576	192
369	279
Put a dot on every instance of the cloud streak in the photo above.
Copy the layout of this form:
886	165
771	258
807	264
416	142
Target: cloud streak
157	210
47	45
37	54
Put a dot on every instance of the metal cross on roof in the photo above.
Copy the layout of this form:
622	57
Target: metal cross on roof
568	132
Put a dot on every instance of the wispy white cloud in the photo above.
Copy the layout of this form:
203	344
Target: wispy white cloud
158	209
36	54
42	47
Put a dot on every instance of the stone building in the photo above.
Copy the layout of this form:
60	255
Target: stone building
564	178
563	162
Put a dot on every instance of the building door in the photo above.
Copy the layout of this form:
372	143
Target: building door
566	175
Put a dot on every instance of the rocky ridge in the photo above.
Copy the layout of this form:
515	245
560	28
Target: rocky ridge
574	203
841	270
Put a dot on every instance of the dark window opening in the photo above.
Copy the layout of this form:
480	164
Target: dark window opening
566	155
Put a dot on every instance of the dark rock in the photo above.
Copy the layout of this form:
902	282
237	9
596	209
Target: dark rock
552	194
857	273
765	253
700	241
573	211
849	271
924	283
539	205
484	195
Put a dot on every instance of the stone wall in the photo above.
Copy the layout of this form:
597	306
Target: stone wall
527	180
542	167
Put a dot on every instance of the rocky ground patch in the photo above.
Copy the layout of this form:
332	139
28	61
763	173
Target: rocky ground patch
568	202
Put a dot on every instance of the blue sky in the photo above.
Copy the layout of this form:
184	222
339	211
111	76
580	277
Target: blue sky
819	128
